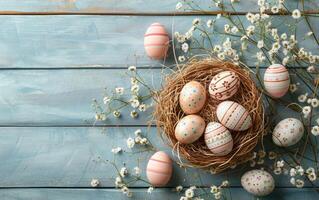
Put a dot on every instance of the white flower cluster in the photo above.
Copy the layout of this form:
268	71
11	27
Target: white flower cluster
216	190
138	139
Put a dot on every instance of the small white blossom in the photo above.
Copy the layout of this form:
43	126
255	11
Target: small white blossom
179	188
132	68
314	102
296	14
134	114
116	114
274	9
217	195
130	143
227	28
315	130
293	181
311	69
260	44
292	172
119	90
189	193
303	98
135	88
137	171
116	150
306	111
118	181
196	22
181	58
292	88
185	47
209	23
123	172
234	29
135	103
142	107
299	183
106	100
150	190
138	132
179	5
95	182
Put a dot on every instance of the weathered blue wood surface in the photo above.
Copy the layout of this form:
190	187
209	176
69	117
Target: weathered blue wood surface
37	90
83	41
127	6
64	97
141	194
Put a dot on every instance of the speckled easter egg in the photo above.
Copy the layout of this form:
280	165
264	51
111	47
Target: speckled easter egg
224	85
189	129
192	97
218	139
288	132
233	116
276	80
156	41
258	182
159	169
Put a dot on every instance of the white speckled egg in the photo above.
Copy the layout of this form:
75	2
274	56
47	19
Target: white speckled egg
159	169
218	139
224	85
258	182
288	132
192	97
233	116
156	41
276	80
189	129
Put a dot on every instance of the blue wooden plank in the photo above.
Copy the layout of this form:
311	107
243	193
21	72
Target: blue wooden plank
64	97
66	157
111	6
99	41
158	194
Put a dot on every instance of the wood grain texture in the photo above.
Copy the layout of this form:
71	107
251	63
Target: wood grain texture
102	41
68	157
158	194
64	97
125	6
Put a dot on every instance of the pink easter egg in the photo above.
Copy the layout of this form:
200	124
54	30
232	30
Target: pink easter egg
224	85
233	116
218	139
189	129
276	80
159	169
192	97
156	41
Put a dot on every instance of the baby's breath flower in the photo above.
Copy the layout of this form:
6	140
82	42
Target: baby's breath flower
125	190
95	182
234	29
221	56
284	36
123	172
118	181
134	114
150	190
179	188
209	23
252	163
293	181
227	28
130	143
260	44
189	193
303	98
119	90
135	102
137	171
142	107
129	194
196	21
274	9
310	170
296	14
306	111
299	183
181	58
116	150
315	130
106	100
132	68
311	69
138	132
292	172
185	47
135	88
116	113
217	195
261	2
217	48
179	5
225	183
277	171
214	189
292	88
300	170
272	155
312	176
134	81
314	102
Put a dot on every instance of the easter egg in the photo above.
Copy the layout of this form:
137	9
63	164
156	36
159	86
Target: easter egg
189	129
258	182
233	116
288	132
156	41
192	97
276	80
159	169
224	85
218	139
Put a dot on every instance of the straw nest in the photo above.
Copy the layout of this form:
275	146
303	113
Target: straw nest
168	112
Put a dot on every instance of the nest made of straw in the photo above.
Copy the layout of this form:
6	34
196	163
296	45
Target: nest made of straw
168	112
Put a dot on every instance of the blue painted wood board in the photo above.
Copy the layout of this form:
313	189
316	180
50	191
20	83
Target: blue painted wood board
128	6
82	41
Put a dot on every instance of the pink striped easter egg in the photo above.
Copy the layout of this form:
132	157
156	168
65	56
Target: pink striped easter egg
156	41
224	85
233	116
159	169
276	80
218	139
